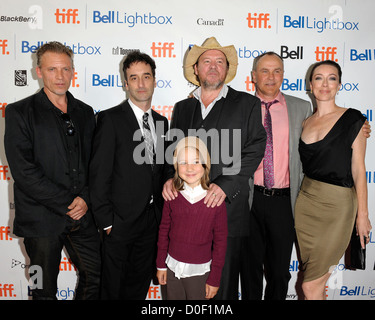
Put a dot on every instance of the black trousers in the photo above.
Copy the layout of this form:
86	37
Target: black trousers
82	242
236	270
129	262
272	236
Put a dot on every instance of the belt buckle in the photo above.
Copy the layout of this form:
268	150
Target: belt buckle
268	192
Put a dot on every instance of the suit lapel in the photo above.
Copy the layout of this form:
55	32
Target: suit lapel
129	117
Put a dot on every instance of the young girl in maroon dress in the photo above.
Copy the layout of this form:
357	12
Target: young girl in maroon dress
192	237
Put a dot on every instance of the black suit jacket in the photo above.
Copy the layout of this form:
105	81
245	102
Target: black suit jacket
240	111
120	188
37	154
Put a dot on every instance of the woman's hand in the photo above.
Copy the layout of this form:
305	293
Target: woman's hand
363	228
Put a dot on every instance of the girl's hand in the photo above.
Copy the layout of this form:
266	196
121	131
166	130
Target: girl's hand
211	291
162	276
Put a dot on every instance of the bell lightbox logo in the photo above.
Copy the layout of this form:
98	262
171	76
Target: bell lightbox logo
130	20
319	25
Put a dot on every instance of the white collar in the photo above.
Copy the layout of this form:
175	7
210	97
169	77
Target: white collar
223	93
206	110
138	111
193	194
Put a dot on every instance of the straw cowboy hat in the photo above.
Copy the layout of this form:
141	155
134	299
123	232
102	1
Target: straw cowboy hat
210	44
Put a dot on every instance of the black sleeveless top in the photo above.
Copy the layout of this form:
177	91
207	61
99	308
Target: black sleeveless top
329	160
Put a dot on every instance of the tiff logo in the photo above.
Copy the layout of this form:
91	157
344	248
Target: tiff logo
153	293
165	111
260	20
324	53
4	233
74	83
3	173
3	46
67	265
67	16
250	85
163	50
6	290
2	109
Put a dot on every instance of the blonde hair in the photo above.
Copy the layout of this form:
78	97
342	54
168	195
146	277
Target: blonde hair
204	156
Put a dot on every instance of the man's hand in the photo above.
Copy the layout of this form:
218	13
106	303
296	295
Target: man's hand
215	196
366	129
169	192
78	208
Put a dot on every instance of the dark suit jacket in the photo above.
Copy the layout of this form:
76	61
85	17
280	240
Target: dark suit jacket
240	111
37	154
120	189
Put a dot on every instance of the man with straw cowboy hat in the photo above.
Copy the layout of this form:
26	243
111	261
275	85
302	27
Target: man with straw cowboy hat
229	121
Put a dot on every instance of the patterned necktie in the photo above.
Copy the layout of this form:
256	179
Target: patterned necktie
268	172
148	140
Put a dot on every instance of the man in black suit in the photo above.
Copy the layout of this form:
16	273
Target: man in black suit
126	180
48	144
230	122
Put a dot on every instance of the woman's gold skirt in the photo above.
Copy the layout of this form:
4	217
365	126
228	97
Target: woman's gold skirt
324	220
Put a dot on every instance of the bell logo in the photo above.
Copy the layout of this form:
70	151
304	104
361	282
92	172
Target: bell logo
258	21
67	16
291	54
3	47
324	53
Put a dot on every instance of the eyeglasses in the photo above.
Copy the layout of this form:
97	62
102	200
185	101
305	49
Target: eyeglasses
70	129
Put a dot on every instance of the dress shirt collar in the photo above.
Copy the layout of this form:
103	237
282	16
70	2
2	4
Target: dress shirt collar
223	93
193	194
205	110
139	112
280	98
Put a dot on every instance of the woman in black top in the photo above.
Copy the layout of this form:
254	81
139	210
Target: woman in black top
333	194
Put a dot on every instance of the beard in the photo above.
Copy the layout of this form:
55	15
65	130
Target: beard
212	85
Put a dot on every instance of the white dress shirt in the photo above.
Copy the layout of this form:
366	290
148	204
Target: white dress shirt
138	112
205	111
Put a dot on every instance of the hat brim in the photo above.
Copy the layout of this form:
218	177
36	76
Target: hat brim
196	51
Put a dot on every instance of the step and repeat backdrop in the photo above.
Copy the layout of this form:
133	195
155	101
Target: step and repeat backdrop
101	33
